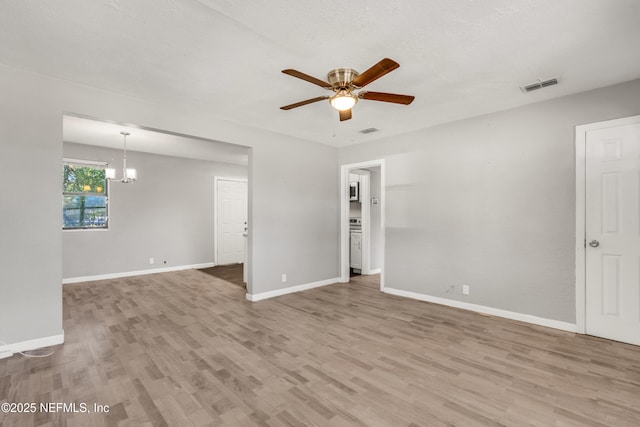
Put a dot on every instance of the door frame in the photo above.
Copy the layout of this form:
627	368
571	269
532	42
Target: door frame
216	179
581	212
344	216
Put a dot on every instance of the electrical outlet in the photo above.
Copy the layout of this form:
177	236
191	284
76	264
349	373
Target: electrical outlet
284	277
465	289
151	261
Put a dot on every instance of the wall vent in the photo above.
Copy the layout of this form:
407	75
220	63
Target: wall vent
538	85
369	130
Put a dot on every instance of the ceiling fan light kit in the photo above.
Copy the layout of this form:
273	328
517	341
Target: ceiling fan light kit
344	81
343	100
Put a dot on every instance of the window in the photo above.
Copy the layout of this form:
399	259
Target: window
85	201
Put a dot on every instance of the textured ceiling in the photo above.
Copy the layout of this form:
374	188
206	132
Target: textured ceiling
459	58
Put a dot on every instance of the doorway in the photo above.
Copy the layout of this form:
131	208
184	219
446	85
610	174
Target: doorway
174	193
608	229
370	208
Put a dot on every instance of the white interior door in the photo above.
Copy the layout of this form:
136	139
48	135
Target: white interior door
613	233
231	219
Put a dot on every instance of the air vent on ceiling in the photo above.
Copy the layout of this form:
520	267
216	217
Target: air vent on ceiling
369	130
538	85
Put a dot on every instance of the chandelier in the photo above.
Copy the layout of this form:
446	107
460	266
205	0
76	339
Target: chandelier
129	175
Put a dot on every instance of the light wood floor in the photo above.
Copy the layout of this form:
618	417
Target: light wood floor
231	273
185	348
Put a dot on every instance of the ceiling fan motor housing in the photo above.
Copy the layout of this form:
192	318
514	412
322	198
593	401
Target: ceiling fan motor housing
341	78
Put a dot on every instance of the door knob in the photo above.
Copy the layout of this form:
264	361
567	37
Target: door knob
594	243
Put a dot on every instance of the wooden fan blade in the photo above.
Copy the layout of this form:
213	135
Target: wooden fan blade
380	69
305	102
344	115
387	97
308	78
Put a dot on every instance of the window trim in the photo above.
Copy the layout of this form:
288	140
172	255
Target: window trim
95	165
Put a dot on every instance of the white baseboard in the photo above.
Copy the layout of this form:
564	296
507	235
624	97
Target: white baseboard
541	321
374	271
135	273
291	289
9	350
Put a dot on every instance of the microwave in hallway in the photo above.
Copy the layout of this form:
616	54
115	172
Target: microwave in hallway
354	193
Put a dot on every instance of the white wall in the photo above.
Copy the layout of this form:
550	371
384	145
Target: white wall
490	202
283	172
375	213
298	215
168	214
30	232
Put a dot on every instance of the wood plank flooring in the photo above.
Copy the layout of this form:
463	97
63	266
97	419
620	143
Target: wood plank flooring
231	273
186	349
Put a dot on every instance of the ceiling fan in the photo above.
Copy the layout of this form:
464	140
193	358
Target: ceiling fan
344	81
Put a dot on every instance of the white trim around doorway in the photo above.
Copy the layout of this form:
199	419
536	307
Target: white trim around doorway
344	215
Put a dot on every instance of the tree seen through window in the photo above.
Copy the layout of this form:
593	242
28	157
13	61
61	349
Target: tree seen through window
84	193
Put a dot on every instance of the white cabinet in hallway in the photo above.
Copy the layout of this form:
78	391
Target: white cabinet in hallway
356	250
